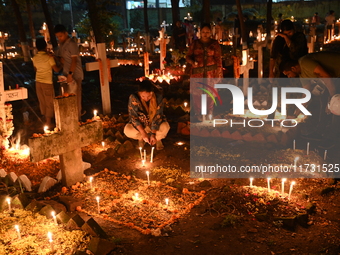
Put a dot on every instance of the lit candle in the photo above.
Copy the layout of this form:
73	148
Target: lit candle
167	201
268	182
185	104
49	235
54	217
295	161
251	182
91	180
152	149
97	198
143	162
18	231
325	155
103	144
283	186
136	196
307	148
95	113
9	203
141	155
144	155
45	129
294	145
148	175
291	189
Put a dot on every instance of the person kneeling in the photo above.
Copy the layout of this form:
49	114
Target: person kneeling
147	121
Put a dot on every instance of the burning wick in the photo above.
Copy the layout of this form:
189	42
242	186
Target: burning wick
251	182
136	196
148	175
18	230
91	179
9	203
152	149
325	155
141	155
268	181
45	129
291	189
54	217
294	145
307	148
49	235
167	201
95	113
283	186
97	198
103	144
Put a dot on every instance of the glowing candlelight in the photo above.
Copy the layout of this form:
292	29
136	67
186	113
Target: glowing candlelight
91	180
251	182
54	217
95	113
49	235
103	144
291	189
308	148
152	149
9	203
180	143
294	145
97	198
185	104
141	155
136	196
325	155
143	162
148	175
268	182
18	230
144	155
45	129
167	201
283	186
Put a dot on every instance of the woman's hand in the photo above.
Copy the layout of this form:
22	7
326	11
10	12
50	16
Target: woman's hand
153	139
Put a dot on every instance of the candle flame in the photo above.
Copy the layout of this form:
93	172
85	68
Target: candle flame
8	200
136	196
284	179
167	201
49	235
147	173
53	214
98	198
17	228
180	143
292	183
45	129
91	179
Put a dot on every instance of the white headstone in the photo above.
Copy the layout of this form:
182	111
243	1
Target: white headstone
13	177
86	165
25	182
46	184
3	173
59	176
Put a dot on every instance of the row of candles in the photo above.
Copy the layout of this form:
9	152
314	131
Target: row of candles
307	149
282	186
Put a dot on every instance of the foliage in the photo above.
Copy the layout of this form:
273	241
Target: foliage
170	174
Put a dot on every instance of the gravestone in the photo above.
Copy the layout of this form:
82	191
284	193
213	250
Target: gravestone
67	143
247	64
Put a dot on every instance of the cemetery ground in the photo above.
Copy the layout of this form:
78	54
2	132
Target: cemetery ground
204	216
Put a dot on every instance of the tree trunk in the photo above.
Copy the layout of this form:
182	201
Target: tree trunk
95	21
49	23
206	11
30	22
22	34
146	25
242	24
269	17
175	11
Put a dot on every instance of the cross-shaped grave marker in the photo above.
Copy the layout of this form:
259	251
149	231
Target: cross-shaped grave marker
6	96
67	143
162	44
247	64
258	45
104	68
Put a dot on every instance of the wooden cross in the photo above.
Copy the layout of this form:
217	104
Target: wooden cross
67	143
104	75
6	96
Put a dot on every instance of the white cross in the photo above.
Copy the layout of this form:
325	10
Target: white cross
162	44
104	76
6	96
247	64
258	45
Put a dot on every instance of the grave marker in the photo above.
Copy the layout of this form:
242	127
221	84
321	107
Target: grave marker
162	44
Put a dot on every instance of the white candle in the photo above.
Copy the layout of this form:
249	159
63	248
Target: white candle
307	148
291	189
283	186
144	155
294	145
9	203
295	161
97	198
148	175
95	113
152	149
18	231
49	235
167	201
54	217
91	180
251	182
136	196
325	155
268	182
141	155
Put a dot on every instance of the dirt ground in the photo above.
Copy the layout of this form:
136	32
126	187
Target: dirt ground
220	224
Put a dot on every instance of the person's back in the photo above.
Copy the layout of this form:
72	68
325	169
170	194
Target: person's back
43	64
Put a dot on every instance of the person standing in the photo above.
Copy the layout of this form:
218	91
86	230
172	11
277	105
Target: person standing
68	53
330	20
43	64
178	34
